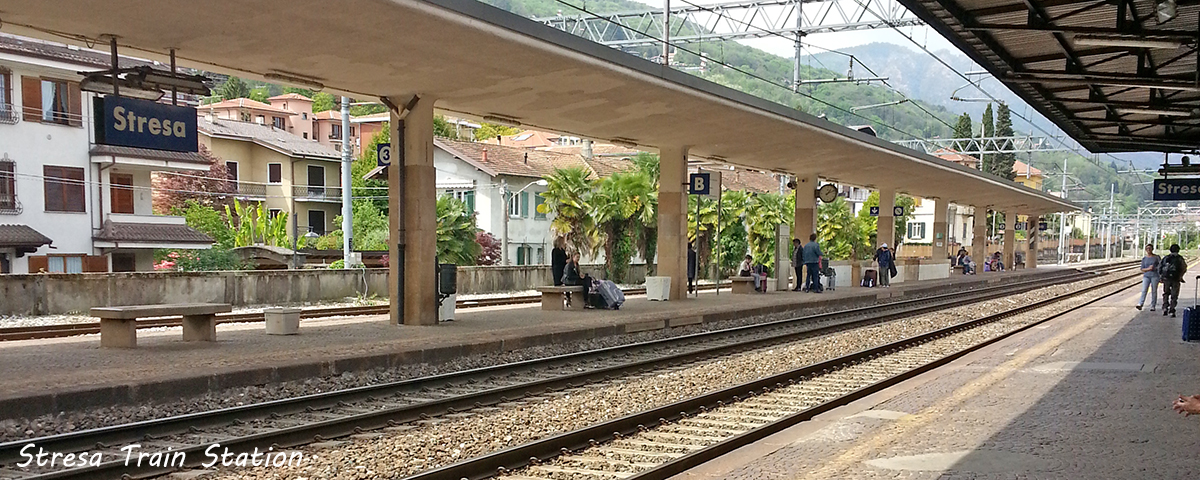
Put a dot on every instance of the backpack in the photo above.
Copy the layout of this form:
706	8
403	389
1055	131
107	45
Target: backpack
1170	267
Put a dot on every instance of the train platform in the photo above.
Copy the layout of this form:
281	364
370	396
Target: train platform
68	374
1087	395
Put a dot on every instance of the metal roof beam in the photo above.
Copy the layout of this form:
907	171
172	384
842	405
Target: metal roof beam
1156	34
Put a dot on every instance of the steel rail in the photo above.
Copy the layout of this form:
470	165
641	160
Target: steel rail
120	434
538	451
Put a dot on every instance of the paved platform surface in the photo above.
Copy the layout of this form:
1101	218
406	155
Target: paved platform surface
1087	396
51	375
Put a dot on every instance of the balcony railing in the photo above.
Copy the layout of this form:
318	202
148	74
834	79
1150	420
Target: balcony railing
249	189
314	192
9	114
9	205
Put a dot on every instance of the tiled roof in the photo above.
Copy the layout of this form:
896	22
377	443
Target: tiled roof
956	157
526	139
147	153
1021	168
290	96
243	103
746	180
513	161
597	149
372	118
327	115
270	136
150	232
605	166
37	48
21	236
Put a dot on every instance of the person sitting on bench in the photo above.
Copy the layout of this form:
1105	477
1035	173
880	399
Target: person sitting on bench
572	278
746	269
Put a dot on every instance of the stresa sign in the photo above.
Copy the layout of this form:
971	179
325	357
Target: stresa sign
1177	189
130	122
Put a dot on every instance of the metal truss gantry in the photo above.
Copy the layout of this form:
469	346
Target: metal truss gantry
691	23
986	145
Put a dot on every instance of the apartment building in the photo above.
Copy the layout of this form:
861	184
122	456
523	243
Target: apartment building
286	172
68	205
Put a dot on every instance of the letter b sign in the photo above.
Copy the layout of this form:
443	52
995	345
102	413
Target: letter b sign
698	184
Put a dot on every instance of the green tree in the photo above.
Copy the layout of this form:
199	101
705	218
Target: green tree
568	195
989	130
251	224
299	91
646	239
324	101
208	220
900	224
764	213
622	204
365	190
491	130
442	128
1002	165
733	246
963	128
455	232
838	232
260	94
233	88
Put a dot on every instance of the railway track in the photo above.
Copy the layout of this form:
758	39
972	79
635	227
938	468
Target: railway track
660	443
73	329
301	420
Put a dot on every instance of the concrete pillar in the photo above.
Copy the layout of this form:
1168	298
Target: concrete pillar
672	219
806	207
412	193
940	228
1032	232
979	242
886	223
1010	238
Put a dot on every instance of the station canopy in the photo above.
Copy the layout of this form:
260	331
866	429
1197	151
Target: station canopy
485	63
1116	75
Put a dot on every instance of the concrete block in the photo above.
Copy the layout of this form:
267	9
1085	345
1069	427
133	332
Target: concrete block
679	322
199	328
552	301
118	333
282	321
643	326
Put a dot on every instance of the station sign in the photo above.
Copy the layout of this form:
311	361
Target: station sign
874	211
1000	227
383	154
1177	189
897	211
132	122
1020	226
1043	226
699	183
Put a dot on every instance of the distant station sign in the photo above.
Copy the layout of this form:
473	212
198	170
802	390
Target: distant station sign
699	184
874	211
131	122
1020	226
1043	226
1177	189
897	211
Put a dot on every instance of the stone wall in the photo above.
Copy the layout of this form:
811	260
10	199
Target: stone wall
44	294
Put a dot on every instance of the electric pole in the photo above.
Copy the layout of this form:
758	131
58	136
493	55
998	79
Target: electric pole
347	162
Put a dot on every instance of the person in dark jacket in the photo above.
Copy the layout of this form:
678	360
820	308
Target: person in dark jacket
798	264
1171	270
887	265
812	262
558	260
691	268
572	278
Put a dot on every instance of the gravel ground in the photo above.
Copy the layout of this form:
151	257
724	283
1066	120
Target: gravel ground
446	440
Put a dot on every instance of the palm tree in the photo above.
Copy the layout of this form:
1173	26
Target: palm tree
764	213
455	232
622	204
568	195
837	231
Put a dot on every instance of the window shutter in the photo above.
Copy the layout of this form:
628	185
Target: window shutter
95	264
31	98
38	264
75	107
524	204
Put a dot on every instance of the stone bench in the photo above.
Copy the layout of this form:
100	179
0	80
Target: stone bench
554	298
742	285
118	325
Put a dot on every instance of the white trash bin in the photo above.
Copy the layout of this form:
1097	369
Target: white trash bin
282	321
658	288
446	311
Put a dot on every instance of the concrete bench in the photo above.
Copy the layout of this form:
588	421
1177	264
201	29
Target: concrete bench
554	298
742	285
118	325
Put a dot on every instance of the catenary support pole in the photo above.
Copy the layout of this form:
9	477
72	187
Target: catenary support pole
347	205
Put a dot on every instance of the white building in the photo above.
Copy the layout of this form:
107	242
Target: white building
66	204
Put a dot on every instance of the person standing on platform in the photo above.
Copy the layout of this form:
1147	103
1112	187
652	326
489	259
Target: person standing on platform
558	260
1171	269
1149	278
887	265
812	261
691	272
798	264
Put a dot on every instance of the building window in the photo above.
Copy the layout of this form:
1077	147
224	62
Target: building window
352	134
465	196
54	102
304	115
520	255
316	221
124	262
121	192
514	208
8	186
8	114
274	172
306	135
316	180
335	132
277	122
245	116
524	204
64	189
538	210
916	230
273	212
65	264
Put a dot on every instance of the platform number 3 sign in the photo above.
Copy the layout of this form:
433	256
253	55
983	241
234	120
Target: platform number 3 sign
383	154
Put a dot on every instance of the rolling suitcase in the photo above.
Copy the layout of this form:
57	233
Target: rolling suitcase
612	295
1191	317
870	276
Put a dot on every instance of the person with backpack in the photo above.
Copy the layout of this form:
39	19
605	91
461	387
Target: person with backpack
887	265
1171	270
1149	278
812	261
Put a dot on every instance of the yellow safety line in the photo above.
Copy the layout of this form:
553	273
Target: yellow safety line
909	424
